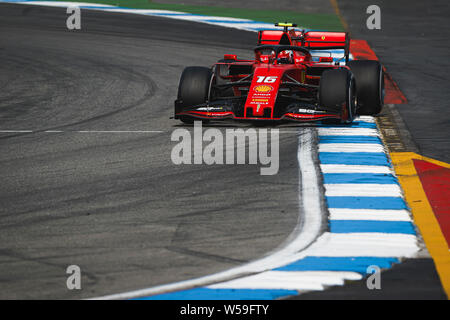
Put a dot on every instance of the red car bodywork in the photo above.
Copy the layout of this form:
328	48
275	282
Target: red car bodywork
279	89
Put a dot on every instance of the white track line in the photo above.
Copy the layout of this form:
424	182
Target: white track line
305	233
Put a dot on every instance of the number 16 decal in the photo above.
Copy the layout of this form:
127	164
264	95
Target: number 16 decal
268	79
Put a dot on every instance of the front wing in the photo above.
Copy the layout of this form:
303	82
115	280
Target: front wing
229	109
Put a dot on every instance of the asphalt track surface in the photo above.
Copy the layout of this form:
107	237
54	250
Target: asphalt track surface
112	202
304	6
413	44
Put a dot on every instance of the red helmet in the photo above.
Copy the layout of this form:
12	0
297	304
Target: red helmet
286	56
266	56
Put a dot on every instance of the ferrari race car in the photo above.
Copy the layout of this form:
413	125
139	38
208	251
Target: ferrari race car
295	76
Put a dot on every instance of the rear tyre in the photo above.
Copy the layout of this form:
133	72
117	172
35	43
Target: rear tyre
369	79
337	93
193	89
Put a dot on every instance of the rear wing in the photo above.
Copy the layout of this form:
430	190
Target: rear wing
324	40
312	40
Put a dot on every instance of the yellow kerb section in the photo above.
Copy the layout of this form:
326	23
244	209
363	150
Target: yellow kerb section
422	212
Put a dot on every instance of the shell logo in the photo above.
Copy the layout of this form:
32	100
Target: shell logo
263	88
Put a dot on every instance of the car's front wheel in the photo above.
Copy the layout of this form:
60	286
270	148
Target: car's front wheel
193	88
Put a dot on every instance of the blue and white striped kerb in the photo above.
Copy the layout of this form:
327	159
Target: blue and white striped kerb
369	223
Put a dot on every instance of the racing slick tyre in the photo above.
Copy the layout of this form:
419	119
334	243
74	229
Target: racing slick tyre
337	90
369	79
194	88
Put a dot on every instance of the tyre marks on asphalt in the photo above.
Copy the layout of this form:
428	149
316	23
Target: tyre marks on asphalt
369	223
256	280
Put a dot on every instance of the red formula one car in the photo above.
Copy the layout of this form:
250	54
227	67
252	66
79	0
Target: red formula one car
285	81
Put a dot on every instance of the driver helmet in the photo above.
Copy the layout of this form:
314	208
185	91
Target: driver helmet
286	56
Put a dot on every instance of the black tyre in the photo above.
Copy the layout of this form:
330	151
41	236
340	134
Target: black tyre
369	80
337	93
193	88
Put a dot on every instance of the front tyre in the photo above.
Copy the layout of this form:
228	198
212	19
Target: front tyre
193	89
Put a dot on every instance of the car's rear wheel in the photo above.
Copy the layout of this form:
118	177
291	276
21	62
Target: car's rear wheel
369	79
193	88
337	93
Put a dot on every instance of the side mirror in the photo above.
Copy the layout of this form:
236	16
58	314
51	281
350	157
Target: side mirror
230	57
264	58
325	59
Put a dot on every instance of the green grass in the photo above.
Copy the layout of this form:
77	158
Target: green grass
311	21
